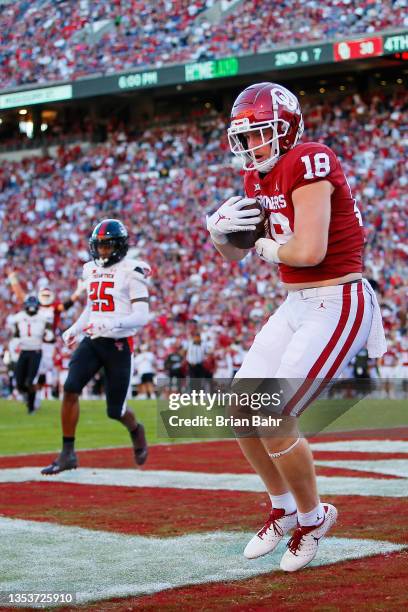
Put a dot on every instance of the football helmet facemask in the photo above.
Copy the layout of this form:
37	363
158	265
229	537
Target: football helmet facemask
46	297
109	232
31	305
265	106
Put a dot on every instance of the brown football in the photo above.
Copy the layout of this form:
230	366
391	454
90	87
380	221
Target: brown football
247	239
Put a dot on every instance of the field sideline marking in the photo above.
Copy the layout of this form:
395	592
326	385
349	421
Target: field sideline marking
328	485
363	446
390	467
45	557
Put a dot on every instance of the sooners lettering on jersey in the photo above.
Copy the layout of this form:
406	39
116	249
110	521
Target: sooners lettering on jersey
111	291
304	164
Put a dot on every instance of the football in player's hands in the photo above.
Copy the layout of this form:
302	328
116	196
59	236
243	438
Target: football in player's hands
246	239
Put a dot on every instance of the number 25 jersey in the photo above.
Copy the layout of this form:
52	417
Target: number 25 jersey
111	291
305	164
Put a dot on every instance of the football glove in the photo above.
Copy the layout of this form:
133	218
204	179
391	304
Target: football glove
231	218
95	330
267	250
69	337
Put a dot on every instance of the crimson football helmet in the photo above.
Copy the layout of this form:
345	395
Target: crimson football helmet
275	112
46	296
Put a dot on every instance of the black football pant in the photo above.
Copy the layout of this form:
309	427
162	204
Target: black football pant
26	372
115	357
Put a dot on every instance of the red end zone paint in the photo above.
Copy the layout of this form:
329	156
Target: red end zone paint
156	511
215	457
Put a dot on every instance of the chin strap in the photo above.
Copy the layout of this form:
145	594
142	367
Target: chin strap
291	447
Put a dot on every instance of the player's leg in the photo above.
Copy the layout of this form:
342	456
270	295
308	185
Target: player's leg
117	361
83	366
330	331
33	364
21	374
261	362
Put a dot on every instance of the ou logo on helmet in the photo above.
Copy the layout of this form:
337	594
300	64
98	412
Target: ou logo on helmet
283	97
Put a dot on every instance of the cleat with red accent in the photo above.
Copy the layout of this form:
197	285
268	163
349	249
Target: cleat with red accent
64	461
303	545
267	539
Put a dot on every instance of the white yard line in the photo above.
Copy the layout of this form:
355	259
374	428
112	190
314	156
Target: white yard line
391	467
363	446
333	485
44	557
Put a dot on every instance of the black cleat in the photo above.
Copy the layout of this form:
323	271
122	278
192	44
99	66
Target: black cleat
139	445
63	462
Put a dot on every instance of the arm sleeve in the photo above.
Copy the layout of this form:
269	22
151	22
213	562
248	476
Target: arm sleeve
137	287
81	322
138	317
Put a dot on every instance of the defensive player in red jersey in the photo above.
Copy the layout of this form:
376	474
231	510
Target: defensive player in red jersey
315	238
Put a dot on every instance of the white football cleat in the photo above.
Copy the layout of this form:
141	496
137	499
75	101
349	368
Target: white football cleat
303	545
267	539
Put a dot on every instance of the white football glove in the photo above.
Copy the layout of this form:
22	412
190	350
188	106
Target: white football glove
95	330
69	337
267	250
230	218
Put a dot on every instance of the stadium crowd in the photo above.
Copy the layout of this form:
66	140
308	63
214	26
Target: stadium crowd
45	40
161	182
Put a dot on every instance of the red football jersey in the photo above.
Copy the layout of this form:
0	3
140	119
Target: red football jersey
304	164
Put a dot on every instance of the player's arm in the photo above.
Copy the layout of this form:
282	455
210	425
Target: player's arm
230	217
308	245
64	306
49	336
70	335
16	287
138	317
229	251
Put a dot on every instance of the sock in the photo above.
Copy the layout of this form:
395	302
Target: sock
68	444
313	518
285	501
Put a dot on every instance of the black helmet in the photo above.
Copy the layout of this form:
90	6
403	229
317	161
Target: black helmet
31	305
113	233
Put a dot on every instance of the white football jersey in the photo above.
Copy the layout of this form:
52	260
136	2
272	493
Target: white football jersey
111	291
31	330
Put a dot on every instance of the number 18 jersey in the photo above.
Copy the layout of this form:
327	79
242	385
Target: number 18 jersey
304	164
111	291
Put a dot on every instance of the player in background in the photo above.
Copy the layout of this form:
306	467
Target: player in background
315	239
52	309
11	355
31	328
117	306
145	365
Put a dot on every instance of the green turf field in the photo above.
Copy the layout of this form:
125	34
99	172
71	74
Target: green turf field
40	432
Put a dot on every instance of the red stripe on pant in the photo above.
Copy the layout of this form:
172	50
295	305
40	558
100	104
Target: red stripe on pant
325	354
346	347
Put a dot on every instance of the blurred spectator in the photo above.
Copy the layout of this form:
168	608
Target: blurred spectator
45	40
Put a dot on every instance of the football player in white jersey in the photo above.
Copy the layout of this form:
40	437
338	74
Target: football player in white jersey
31	328
117	306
